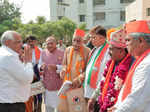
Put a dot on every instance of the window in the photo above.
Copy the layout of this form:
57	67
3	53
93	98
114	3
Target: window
99	16
60	0
99	2
81	1
148	11
82	18
122	15
126	1
60	17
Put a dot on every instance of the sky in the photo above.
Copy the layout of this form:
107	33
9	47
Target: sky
30	9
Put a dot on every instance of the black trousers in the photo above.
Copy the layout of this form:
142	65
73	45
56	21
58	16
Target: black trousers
12	107
96	107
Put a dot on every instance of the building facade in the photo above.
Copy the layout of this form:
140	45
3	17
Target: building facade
92	12
138	10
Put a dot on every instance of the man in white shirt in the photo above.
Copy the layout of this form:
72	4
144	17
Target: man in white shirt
15	76
98	55
135	95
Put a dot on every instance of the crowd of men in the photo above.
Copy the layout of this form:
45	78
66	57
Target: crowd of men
109	72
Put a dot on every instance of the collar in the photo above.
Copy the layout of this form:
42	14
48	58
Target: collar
10	50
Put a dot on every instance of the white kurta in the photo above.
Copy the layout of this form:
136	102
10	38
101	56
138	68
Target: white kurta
139	98
88	91
51	98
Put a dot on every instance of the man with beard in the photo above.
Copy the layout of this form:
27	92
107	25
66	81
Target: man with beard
36	58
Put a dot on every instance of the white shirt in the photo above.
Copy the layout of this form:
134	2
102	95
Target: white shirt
139	98
88	91
15	77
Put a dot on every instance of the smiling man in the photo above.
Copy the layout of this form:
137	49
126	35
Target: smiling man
16	76
52	59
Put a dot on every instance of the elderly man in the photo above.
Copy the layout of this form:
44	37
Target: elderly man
75	60
134	96
52	59
115	71
15	76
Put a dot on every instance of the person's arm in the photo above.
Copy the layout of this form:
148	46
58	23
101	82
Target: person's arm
139	95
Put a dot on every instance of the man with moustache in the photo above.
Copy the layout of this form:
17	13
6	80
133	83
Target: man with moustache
36	58
51	66
134	96
74	63
96	63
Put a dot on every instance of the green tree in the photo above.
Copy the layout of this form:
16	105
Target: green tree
82	26
40	19
8	11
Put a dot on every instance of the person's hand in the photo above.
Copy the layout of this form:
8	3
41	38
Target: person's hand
111	109
52	67
62	74
43	66
91	104
76	83
27	54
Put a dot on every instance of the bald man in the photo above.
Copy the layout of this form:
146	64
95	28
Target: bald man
51	65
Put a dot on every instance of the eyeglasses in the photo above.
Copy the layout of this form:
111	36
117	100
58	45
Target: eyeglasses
94	37
18	41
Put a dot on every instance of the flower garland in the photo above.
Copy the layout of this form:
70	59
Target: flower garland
79	65
115	83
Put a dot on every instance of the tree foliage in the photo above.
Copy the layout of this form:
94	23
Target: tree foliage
8	11
10	20
61	29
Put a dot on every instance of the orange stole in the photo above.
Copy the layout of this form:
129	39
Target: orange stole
79	65
94	75
37	53
29	105
128	82
108	76
107	79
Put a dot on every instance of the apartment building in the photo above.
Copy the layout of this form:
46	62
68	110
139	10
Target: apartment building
108	13
138	10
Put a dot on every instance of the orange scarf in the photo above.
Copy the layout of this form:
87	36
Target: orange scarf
94	76
107	79
128	82
108	76
79	65
37	53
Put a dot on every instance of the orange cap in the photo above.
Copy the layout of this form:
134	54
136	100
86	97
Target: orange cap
79	33
109	32
141	26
